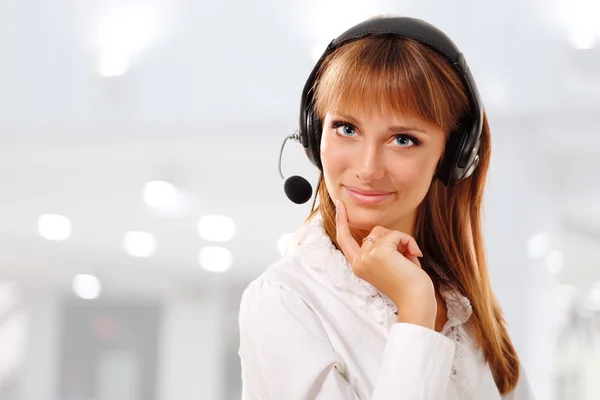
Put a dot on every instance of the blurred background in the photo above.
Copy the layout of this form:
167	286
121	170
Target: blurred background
139	143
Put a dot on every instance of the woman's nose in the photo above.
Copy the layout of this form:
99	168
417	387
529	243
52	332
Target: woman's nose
370	165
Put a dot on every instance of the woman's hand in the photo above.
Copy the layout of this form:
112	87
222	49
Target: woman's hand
387	259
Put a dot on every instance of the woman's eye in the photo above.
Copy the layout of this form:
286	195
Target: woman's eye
345	130
406	141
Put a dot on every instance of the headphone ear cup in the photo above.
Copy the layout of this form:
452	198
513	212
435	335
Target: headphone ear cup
451	169
473	159
472	167
446	171
313	150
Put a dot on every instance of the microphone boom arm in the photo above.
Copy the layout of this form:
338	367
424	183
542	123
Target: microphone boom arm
294	136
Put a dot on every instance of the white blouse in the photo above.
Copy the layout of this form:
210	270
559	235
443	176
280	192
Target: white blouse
311	329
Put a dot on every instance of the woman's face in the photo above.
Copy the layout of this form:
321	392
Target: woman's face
380	166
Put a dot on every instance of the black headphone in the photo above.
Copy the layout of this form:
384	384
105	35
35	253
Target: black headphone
461	153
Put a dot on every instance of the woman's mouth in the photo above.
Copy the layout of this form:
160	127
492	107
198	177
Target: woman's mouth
367	196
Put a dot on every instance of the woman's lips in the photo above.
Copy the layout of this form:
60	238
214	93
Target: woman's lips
367	197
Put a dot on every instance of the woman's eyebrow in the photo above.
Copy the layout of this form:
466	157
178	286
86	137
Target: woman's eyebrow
406	128
347	117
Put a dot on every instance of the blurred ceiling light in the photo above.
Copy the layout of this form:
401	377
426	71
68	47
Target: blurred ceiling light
123	32
583	39
538	245
216	228
580	18
554	262
113	64
139	244
215	259
283	242
86	286
159	194
54	227
166	199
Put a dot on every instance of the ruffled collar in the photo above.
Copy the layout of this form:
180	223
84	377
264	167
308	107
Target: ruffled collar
324	262
320	256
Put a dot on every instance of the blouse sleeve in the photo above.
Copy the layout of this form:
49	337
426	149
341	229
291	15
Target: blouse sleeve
285	354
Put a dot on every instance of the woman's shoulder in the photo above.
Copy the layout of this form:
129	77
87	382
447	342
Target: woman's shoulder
276	300
282	278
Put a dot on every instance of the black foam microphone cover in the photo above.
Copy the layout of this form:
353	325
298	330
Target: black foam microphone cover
297	189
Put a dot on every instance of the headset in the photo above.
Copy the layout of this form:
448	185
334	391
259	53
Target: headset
461	154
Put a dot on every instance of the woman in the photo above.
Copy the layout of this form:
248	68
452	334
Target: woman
384	292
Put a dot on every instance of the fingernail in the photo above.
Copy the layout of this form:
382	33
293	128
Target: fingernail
420	253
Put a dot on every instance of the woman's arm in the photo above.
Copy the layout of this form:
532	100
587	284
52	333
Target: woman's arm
285	354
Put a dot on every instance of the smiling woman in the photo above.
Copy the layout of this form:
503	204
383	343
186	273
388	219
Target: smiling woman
386	155
384	292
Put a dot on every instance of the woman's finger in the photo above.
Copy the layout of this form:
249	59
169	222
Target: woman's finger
402	243
368	243
414	260
344	237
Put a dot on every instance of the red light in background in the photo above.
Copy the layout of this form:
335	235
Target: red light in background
104	328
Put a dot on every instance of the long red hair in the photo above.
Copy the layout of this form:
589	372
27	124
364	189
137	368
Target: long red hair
393	74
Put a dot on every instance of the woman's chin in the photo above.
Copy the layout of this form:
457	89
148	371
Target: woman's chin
366	220
363	222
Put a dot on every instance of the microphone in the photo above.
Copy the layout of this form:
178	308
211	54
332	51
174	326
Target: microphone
297	189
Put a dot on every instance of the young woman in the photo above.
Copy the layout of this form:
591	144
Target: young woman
384	292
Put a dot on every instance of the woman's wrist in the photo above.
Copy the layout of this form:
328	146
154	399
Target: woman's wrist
417	306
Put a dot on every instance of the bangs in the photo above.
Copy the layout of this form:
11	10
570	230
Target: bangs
389	74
